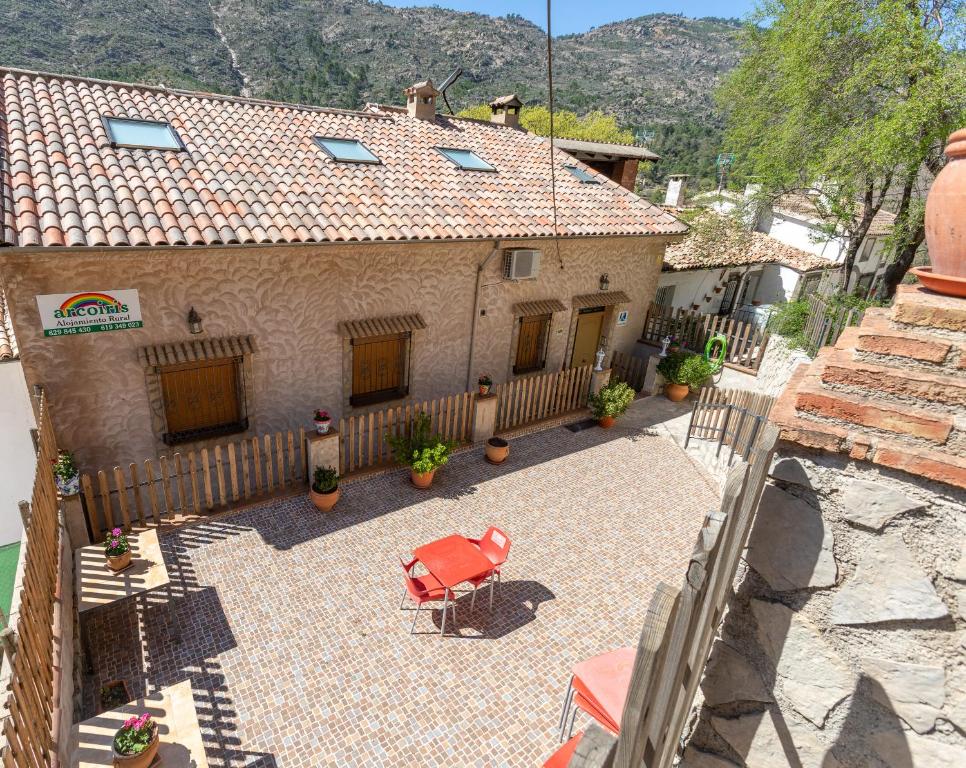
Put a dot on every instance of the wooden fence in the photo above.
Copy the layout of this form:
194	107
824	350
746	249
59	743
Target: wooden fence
364	437
746	341
733	417
533	398
31	717
679	628
183	484
628	368
825	323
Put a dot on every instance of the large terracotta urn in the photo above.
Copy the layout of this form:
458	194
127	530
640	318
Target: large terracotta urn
946	222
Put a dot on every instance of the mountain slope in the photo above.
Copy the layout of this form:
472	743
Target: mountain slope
651	71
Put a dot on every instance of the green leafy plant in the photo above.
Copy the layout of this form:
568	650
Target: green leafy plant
485	380
65	469
420	449
116	543
685	368
788	320
325	480
135	735
613	399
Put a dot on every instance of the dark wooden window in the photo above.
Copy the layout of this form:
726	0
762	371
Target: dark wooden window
202	399
532	343
379	368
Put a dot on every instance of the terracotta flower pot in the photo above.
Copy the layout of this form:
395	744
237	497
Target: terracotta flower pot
676	392
140	760
497	450
119	562
606	421
674	348
421	479
945	234
485	389
324	502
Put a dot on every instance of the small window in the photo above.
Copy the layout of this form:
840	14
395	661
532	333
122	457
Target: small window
582	175
664	296
203	399
465	159
346	150
380	368
532	343
142	134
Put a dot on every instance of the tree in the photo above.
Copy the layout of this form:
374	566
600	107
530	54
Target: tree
594	126
849	101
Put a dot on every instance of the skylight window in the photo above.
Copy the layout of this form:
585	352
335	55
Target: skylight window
142	134
582	176
346	150
465	159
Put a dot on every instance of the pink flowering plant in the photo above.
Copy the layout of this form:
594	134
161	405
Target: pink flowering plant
321	415
135	735
116	544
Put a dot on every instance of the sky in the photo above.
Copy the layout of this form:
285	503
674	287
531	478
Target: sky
570	16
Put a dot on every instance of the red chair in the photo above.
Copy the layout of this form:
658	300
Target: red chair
422	589
561	758
495	546
598	687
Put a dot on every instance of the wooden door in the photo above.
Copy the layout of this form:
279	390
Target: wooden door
587	337
201	395
531	343
378	368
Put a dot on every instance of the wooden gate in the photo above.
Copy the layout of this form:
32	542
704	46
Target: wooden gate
733	417
679	628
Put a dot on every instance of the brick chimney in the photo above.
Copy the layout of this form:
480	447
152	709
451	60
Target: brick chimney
506	110
421	100
676	185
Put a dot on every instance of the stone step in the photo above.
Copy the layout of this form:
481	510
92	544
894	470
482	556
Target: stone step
876	337
838	367
815	401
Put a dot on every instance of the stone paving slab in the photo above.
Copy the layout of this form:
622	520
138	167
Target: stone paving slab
295	646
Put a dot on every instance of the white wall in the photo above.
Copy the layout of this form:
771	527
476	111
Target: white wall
17	457
692	286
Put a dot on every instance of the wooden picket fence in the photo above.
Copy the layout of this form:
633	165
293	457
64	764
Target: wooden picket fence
679	628
733	417
365	443
30	714
532	398
171	488
826	322
628	368
747	341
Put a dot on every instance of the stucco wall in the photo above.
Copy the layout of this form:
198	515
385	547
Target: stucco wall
17	458
291	299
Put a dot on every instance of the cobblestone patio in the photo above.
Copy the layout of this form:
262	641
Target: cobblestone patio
298	654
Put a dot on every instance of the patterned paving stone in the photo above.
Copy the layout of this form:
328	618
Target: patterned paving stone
299	655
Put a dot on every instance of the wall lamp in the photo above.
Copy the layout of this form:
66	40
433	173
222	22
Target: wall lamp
604	282
194	321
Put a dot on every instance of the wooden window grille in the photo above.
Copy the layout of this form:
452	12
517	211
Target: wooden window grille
380	366
203	399
532	343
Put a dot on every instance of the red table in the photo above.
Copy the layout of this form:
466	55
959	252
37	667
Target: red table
452	561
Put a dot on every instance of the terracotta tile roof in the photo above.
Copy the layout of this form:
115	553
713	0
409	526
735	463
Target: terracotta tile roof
762	249
252	174
804	206
8	341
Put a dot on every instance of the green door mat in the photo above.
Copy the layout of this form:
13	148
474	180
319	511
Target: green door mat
9	555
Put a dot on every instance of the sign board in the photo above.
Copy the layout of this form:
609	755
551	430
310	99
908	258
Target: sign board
66	314
622	317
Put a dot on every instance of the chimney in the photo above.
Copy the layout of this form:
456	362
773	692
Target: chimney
421	100
676	185
506	110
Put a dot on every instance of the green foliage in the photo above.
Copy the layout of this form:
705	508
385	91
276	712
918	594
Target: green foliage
420	449
116	543
64	468
613	399
593	126
685	368
788	320
135	735
325	479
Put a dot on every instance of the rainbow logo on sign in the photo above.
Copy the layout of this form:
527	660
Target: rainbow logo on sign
90	304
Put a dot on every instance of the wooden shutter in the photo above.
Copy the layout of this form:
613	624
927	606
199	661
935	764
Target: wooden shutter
379	368
531	343
201	396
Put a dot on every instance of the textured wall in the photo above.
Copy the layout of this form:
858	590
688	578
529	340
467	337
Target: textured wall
291	299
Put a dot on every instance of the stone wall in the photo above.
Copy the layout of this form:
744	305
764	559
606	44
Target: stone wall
291	299
776	368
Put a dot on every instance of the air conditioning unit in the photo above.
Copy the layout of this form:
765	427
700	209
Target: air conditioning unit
521	264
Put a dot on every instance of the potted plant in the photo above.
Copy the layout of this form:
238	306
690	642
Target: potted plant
497	450
683	372
322	421
675	345
485	382
612	401
324	491
66	475
117	550
136	742
421	451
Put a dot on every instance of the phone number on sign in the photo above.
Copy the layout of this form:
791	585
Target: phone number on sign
94	328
